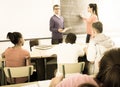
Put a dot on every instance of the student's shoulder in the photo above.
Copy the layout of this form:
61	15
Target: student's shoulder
79	45
24	50
9	48
61	44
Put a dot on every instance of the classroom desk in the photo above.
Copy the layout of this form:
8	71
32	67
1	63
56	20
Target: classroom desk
44	83
39	53
41	67
39	56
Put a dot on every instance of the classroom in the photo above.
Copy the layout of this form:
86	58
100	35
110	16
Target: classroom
32	19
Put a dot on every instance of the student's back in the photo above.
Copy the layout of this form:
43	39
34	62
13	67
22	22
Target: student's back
97	46
16	56
68	52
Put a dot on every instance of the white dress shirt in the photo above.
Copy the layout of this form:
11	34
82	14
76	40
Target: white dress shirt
67	53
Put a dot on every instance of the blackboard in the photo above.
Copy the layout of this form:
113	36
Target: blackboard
70	10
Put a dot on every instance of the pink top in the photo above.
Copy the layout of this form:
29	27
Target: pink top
75	80
15	57
89	22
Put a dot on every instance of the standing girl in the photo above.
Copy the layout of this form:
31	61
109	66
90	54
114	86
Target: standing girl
92	9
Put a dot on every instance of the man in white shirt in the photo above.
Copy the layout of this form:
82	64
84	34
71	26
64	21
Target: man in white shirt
69	51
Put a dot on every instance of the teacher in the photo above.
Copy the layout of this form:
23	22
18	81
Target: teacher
56	26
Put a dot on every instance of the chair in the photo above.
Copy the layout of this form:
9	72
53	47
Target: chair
2	75
17	72
71	68
33	42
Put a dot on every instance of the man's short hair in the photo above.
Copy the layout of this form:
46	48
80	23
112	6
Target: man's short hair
71	38
55	6
98	26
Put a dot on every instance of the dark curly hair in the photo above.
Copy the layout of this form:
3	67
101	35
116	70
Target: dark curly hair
14	37
71	38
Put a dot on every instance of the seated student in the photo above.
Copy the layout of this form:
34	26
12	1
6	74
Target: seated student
67	52
97	46
16	56
108	75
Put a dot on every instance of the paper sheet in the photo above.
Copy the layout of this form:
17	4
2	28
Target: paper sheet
66	29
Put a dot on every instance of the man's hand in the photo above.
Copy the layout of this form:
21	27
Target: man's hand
60	30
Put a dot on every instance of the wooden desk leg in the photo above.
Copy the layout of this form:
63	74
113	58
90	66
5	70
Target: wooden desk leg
3	75
40	68
45	63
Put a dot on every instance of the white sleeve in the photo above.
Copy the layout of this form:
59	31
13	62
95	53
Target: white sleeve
81	53
80	49
91	52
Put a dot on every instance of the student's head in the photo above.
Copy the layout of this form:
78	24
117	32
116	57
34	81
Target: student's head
97	27
56	9
93	8
109	71
87	85
71	38
15	38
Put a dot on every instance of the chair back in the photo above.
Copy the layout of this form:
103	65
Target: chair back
17	72
71	68
33	42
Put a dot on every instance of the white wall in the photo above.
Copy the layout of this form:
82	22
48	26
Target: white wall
109	14
30	17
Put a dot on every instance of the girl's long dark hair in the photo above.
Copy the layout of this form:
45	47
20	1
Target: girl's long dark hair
94	8
109	72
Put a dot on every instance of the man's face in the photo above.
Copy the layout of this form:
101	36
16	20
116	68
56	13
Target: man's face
57	10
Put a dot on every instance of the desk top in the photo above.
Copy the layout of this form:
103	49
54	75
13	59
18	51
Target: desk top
44	47
41	51
44	83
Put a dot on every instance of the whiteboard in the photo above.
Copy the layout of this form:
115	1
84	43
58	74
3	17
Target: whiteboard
30	17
